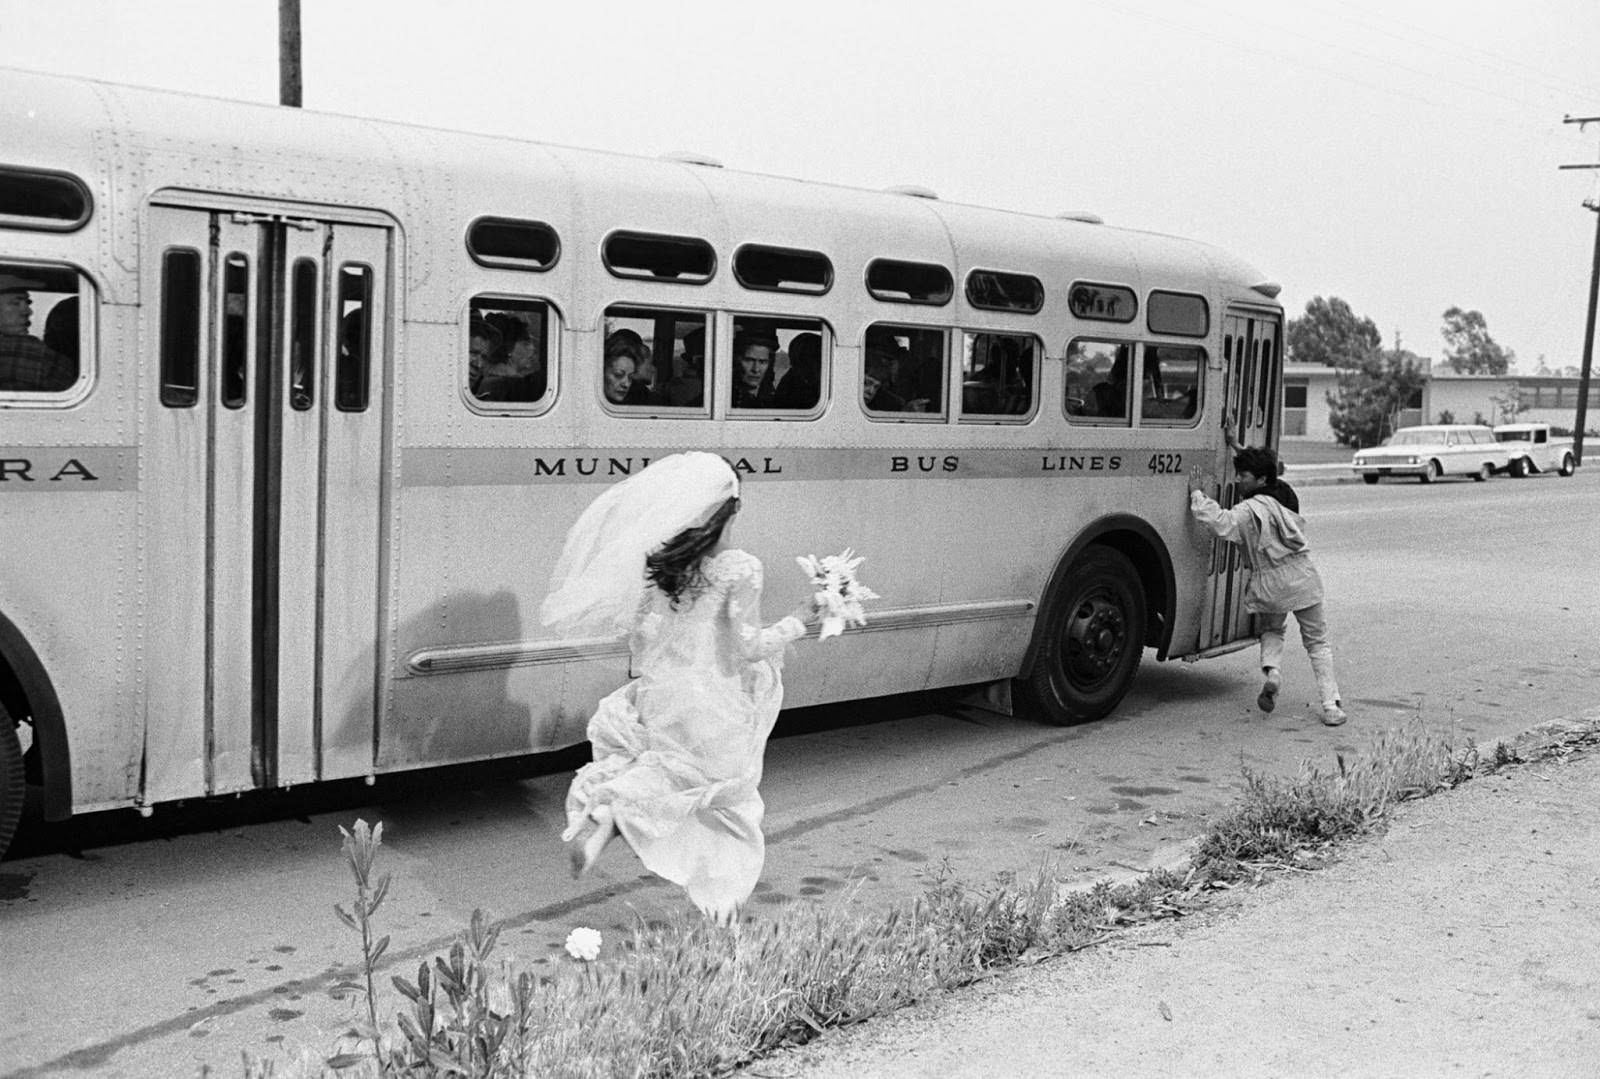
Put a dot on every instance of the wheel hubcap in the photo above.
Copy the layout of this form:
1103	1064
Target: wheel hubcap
1095	637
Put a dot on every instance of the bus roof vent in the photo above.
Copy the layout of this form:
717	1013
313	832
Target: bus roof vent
916	191
1269	289
1081	215
690	157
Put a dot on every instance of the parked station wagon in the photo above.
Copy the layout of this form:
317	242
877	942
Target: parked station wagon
1430	452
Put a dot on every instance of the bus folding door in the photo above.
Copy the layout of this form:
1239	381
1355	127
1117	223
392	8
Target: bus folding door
263	449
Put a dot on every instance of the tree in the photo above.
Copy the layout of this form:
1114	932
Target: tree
1365	408
1331	334
1509	405
1469	348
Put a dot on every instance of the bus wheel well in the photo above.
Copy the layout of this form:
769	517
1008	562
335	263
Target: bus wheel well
29	697
1141	545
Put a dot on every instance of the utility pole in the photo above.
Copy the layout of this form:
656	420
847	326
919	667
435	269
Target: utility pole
289	53
1584	371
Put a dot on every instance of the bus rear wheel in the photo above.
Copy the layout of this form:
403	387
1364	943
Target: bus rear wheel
12	783
1092	640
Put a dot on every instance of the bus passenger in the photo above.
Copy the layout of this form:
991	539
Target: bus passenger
753	353
517	373
624	358
1267	525
27	364
875	393
483	347
801	385
687	388
1111	394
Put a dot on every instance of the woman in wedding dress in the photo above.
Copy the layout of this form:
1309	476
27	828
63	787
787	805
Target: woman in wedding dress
678	750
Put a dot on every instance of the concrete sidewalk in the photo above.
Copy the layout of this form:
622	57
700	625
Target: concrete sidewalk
1463	941
1316	475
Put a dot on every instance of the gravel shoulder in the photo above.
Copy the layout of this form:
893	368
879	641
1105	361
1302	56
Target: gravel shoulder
1463	941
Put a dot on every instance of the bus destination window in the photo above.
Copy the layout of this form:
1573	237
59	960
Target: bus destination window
655	360
39	333
1098	381
777	364
998	376
508	352
904	370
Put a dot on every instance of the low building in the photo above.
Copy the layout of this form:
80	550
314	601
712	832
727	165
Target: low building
1445	397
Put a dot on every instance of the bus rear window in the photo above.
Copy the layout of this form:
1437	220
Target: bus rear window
1102	303
39	338
42	200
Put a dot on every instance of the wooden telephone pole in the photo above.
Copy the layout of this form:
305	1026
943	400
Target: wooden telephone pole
289	53
1594	287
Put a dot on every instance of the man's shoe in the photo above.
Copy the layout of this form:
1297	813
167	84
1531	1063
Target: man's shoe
1332	714
1267	699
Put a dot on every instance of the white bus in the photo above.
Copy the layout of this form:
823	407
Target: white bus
295	410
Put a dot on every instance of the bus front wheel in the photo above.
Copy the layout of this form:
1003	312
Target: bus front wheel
1093	639
12	782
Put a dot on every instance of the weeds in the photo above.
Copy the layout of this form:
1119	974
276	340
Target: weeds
689	998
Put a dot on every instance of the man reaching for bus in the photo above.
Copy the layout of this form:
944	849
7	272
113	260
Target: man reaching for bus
1267	525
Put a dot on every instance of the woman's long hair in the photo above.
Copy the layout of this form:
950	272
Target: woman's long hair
674	567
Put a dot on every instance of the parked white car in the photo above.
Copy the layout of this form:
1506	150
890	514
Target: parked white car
1534	449
1445	449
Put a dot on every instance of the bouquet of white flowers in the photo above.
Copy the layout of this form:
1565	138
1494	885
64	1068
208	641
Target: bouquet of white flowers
839	594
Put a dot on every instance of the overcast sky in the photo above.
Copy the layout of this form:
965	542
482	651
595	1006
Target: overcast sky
1400	154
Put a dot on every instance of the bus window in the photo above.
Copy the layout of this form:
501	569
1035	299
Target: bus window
1097	381
352	378
654	359
517	245
777	364
39	337
905	370
303	336
180	328
993	290
232	383
897	281
686	260
43	200
782	269
1181	314
997	376
1171	384
509	350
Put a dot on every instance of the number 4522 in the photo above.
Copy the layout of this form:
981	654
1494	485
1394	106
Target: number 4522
1163	463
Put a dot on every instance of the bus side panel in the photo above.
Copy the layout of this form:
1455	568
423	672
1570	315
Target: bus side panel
70	585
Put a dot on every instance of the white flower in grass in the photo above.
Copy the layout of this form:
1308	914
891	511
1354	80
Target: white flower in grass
839	594
584	943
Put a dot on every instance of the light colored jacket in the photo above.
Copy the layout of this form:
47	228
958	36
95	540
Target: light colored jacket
1273	538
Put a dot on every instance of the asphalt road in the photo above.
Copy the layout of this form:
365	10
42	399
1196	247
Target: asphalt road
152	948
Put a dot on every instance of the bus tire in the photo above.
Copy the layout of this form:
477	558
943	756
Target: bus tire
1092	640
12	782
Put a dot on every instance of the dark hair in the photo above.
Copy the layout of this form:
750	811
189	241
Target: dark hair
674	567
1258	461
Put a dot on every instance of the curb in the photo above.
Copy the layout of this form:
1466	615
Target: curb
1319	475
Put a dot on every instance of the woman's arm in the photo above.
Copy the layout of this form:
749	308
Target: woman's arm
1225	523
757	642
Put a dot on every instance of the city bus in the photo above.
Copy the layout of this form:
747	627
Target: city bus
296	409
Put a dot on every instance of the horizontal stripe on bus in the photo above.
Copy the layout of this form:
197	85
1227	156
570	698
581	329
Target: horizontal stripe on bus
69	468
484	657
438	466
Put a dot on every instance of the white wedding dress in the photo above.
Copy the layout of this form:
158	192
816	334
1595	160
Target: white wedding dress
677	751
